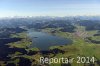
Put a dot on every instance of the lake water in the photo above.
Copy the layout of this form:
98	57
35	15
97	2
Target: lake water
43	40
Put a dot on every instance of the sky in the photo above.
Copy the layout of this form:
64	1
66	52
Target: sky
9	8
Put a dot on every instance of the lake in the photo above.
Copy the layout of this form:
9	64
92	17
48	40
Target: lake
43	40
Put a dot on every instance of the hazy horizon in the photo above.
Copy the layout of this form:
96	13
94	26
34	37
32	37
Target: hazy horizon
10	8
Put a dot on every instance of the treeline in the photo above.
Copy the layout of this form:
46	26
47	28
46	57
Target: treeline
6	32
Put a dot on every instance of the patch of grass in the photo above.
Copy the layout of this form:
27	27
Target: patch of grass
20	44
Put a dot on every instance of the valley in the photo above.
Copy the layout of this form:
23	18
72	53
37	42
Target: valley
24	40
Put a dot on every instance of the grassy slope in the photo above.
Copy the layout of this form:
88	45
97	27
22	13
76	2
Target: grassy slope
79	46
